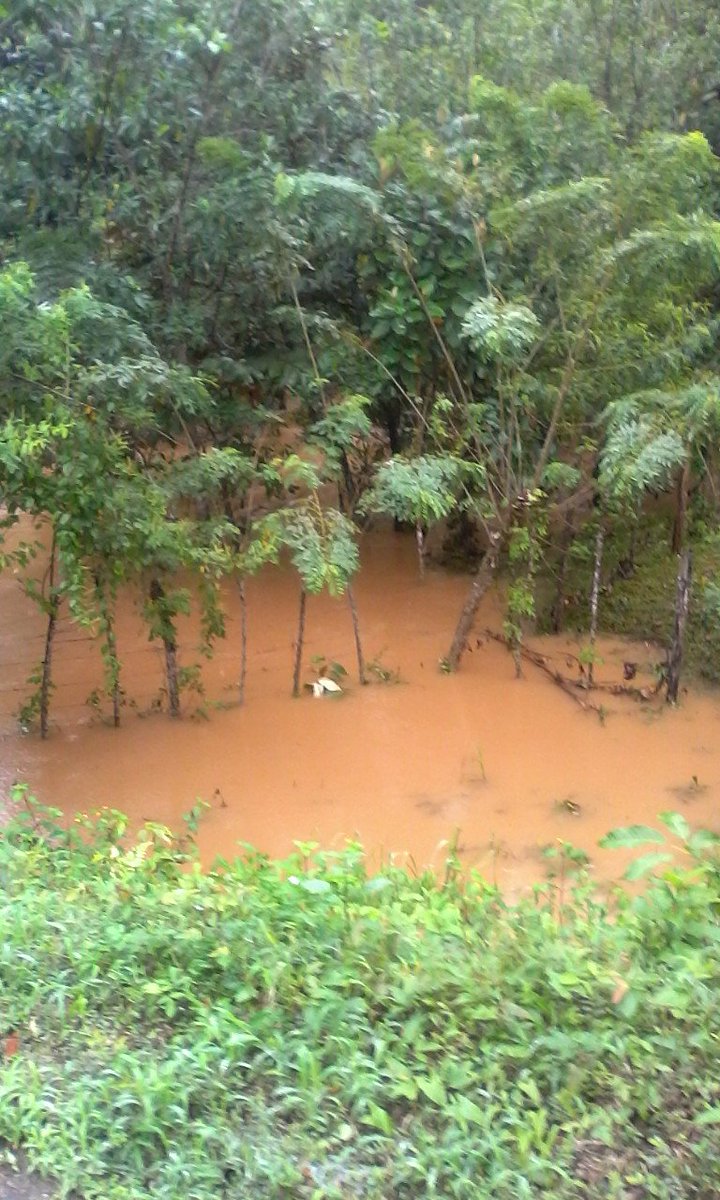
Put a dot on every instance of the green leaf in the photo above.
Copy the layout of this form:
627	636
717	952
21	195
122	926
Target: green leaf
377	884
710	1116
467	1110
629	1004
642	865
377	1118
671	997
315	886
502	332
407	1088
629	836
433	1087
703	839
677	824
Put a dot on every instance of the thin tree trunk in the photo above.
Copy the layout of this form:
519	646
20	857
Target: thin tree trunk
404	261
483	578
243	640
99	134
52	615
114	669
157	595
112	665
595	599
563	391
682	603
392	427
683	486
171	671
558	608
176	230
420	542
299	643
517	657
356	632
177	224
346	490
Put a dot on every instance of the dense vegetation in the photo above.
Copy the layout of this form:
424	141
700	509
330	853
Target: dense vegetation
469	255
303	1030
268	271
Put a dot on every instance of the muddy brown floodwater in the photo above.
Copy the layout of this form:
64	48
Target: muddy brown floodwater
513	765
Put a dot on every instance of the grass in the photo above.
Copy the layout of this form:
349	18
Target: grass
302	1031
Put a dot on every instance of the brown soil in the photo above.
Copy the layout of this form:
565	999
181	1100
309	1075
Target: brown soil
19	1184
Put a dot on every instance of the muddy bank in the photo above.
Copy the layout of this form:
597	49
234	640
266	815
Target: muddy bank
404	765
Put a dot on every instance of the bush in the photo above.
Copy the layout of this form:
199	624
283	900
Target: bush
304	1030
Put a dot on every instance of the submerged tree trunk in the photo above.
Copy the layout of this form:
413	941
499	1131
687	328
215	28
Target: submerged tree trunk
113	668
683	487
243	640
483	578
112	662
52	615
356	632
682	603
420	542
299	643
517	656
171	671
169	641
594	600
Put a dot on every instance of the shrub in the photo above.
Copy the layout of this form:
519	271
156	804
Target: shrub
305	1030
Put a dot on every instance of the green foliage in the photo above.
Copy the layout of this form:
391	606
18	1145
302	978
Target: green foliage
321	542
484	252
502	332
85	450
701	847
422	489
637	456
327	667
638	601
560	475
651	67
340	429
306	1029
313	184
525	550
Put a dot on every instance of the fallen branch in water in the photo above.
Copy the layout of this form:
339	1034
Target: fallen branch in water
615	689
572	687
541	662
623	689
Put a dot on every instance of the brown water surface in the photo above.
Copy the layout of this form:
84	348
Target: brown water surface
514	765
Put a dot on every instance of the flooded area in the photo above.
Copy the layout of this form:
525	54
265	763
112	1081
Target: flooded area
404	765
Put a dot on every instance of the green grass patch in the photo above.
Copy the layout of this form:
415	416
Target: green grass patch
302	1030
